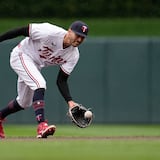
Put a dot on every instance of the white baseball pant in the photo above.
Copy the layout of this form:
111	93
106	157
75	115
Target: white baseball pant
29	77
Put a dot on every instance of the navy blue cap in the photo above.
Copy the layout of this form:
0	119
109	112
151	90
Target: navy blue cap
80	28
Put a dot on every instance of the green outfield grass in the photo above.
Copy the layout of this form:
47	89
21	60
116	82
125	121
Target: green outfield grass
98	27
103	142
92	131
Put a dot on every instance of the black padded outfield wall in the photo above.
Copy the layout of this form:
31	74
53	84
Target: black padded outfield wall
119	78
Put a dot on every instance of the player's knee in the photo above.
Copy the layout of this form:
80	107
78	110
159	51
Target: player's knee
40	84
43	85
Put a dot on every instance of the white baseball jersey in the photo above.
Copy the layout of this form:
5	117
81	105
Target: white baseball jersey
45	46
42	48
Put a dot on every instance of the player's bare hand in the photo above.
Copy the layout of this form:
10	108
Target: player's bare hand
71	104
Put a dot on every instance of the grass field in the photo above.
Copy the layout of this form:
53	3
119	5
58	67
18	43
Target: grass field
97	142
99	26
103	142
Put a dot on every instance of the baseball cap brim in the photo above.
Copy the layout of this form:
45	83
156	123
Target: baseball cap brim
80	34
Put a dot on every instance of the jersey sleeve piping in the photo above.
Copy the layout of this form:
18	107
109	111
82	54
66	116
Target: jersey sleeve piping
64	70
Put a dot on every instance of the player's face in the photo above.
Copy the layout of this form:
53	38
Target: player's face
74	39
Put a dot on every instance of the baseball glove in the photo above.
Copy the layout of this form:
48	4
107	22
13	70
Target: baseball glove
77	116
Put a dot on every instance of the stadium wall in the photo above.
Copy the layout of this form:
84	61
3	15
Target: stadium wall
118	77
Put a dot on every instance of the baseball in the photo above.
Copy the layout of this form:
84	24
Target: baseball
88	114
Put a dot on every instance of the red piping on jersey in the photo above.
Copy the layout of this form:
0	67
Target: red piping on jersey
27	71
64	70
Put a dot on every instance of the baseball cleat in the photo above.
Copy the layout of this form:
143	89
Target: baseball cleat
2	135
44	130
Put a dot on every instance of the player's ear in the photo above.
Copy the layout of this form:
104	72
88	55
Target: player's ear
69	30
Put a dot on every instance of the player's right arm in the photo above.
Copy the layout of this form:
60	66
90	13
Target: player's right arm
23	31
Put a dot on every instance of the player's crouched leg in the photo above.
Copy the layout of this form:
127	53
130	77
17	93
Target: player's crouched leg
43	129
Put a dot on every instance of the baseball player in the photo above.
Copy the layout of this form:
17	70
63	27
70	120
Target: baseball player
44	45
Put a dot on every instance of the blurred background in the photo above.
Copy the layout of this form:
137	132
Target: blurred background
118	74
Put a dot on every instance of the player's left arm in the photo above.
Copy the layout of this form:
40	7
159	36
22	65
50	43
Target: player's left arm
64	88
63	85
22	31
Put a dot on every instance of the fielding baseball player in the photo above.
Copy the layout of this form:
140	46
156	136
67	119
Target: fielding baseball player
45	45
